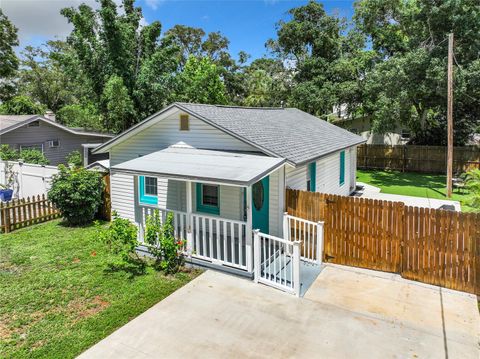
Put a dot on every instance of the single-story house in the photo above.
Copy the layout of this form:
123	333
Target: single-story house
55	140
223	170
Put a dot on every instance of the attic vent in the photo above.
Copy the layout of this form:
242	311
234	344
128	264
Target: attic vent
34	124
184	123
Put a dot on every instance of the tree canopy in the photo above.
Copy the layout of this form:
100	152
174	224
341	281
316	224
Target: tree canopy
388	64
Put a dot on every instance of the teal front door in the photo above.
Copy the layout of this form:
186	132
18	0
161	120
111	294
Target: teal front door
260	200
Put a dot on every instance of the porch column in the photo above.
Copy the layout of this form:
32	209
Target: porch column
189	218
248	234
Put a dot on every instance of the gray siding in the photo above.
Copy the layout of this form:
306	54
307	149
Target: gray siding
167	132
45	132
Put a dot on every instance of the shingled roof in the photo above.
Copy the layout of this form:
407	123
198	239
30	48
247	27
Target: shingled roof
284	132
279	132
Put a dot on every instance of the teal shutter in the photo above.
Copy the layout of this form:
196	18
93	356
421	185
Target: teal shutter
342	168
313	176
144	198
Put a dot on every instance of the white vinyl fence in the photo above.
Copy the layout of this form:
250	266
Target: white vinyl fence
29	179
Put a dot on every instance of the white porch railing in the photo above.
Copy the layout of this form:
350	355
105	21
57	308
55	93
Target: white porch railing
309	233
180	223
277	262
220	240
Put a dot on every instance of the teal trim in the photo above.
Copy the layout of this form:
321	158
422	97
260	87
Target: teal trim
313	176
342	168
206	208
145	198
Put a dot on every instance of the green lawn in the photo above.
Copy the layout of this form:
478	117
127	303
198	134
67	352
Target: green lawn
56	299
412	184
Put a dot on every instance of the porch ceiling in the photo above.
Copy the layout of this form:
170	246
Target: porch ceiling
202	165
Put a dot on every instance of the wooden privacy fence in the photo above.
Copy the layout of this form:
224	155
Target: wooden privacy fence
411	158
432	246
25	212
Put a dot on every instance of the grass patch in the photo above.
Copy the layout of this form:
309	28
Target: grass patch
413	184
57	299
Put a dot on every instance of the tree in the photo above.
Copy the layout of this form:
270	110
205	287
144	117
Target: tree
200	82
8	59
76	115
321	53
43	77
121	59
22	105
407	84
119	112
267	83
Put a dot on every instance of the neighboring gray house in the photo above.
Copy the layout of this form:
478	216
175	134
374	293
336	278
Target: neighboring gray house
223	170
43	133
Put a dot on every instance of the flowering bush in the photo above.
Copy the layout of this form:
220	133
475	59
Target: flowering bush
166	249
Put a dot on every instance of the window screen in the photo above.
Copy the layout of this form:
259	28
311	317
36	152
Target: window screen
210	195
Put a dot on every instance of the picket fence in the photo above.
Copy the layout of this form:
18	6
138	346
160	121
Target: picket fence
25	212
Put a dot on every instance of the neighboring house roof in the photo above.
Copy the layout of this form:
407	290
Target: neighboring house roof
101	166
279	132
202	165
12	122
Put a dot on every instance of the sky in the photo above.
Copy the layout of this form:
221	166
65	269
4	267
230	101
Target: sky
248	24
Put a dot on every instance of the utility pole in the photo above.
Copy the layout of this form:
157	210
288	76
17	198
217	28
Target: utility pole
450	115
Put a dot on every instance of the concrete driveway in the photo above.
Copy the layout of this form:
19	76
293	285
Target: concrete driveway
347	313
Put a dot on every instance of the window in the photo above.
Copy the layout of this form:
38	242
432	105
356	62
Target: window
342	168
184	123
208	198
33	146
312	177
147	190
34	124
53	143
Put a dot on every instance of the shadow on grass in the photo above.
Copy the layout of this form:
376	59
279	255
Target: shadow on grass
66	224
134	267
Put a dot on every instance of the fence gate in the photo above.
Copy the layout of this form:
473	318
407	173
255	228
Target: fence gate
277	262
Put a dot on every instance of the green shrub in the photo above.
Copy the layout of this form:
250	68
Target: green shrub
472	180
74	158
121	239
28	155
31	155
163	245
77	193
8	154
